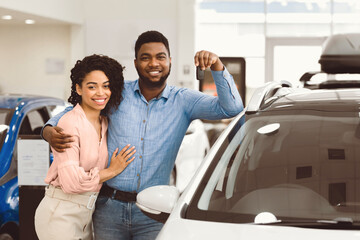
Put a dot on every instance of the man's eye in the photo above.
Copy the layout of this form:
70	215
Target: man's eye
91	87
144	58
161	57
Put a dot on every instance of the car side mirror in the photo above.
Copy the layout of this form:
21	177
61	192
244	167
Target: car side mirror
157	202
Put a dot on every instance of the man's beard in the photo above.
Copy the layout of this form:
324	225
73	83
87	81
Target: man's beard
150	84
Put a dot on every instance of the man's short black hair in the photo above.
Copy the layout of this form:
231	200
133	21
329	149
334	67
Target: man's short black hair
151	36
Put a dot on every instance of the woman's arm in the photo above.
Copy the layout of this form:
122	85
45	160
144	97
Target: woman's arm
71	173
74	179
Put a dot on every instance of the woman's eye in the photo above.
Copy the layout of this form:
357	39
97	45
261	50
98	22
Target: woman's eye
107	86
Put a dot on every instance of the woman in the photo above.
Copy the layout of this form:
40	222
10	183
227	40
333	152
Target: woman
76	175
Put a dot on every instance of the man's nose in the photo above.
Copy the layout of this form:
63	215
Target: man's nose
154	62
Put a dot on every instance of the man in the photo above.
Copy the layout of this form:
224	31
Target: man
153	117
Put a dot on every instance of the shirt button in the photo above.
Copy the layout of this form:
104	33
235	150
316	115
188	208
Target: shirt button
142	139
144	121
137	174
140	157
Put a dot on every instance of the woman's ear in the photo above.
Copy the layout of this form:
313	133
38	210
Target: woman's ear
78	89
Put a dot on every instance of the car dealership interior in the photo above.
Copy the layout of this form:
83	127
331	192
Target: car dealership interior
258	41
37	55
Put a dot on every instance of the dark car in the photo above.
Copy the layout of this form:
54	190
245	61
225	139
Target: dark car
21	117
288	166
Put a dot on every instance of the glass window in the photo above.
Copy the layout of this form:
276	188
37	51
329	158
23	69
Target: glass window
33	122
346	11
4	124
291	62
298	29
243	6
346	17
298	165
57	109
240	28
298	18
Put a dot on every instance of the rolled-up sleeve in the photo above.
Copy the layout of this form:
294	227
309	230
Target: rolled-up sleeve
226	104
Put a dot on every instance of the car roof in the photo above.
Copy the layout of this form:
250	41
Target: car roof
282	96
10	101
339	100
340	56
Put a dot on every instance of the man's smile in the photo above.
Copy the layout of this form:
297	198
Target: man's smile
154	73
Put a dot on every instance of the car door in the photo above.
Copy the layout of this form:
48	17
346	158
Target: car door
30	196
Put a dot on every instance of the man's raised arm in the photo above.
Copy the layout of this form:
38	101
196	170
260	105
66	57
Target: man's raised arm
228	102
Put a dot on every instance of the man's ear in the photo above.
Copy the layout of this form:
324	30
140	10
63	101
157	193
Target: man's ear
78	89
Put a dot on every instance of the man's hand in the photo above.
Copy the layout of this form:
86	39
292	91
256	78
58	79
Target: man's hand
56	137
206	59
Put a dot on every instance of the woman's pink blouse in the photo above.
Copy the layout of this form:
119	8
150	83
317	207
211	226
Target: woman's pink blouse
77	169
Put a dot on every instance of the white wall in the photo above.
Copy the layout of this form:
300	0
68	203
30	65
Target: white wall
186	44
93	26
68	11
25	51
113	28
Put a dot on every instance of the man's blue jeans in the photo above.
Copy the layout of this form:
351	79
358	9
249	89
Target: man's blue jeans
117	220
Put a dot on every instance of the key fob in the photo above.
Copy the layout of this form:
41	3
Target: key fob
199	73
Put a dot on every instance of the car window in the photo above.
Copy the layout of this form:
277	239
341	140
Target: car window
301	164
4	124
34	121
56	109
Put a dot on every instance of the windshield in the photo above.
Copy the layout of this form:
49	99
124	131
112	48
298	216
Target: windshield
300	165
4	124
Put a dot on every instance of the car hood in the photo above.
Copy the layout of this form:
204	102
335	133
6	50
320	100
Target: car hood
180	229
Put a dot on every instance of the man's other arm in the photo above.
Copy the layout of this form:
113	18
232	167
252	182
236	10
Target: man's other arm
54	135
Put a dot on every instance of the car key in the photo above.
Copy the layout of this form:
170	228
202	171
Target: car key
200	74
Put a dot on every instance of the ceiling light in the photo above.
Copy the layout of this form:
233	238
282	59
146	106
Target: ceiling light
6	17
29	21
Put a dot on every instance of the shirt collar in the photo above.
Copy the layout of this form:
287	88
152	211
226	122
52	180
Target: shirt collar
165	93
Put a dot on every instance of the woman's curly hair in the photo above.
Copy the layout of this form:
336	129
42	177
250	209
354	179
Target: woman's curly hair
111	68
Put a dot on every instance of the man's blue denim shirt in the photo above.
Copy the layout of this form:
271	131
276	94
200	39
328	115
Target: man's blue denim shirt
157	128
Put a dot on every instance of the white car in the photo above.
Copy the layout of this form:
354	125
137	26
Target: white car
287	167
193	149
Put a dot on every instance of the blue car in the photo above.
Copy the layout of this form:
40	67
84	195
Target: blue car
21	116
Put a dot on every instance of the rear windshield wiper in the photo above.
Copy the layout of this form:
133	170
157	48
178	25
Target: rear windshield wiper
337	223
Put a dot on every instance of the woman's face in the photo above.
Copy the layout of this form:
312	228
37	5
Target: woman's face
94	91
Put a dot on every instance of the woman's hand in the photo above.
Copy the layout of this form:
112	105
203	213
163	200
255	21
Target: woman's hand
120	161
